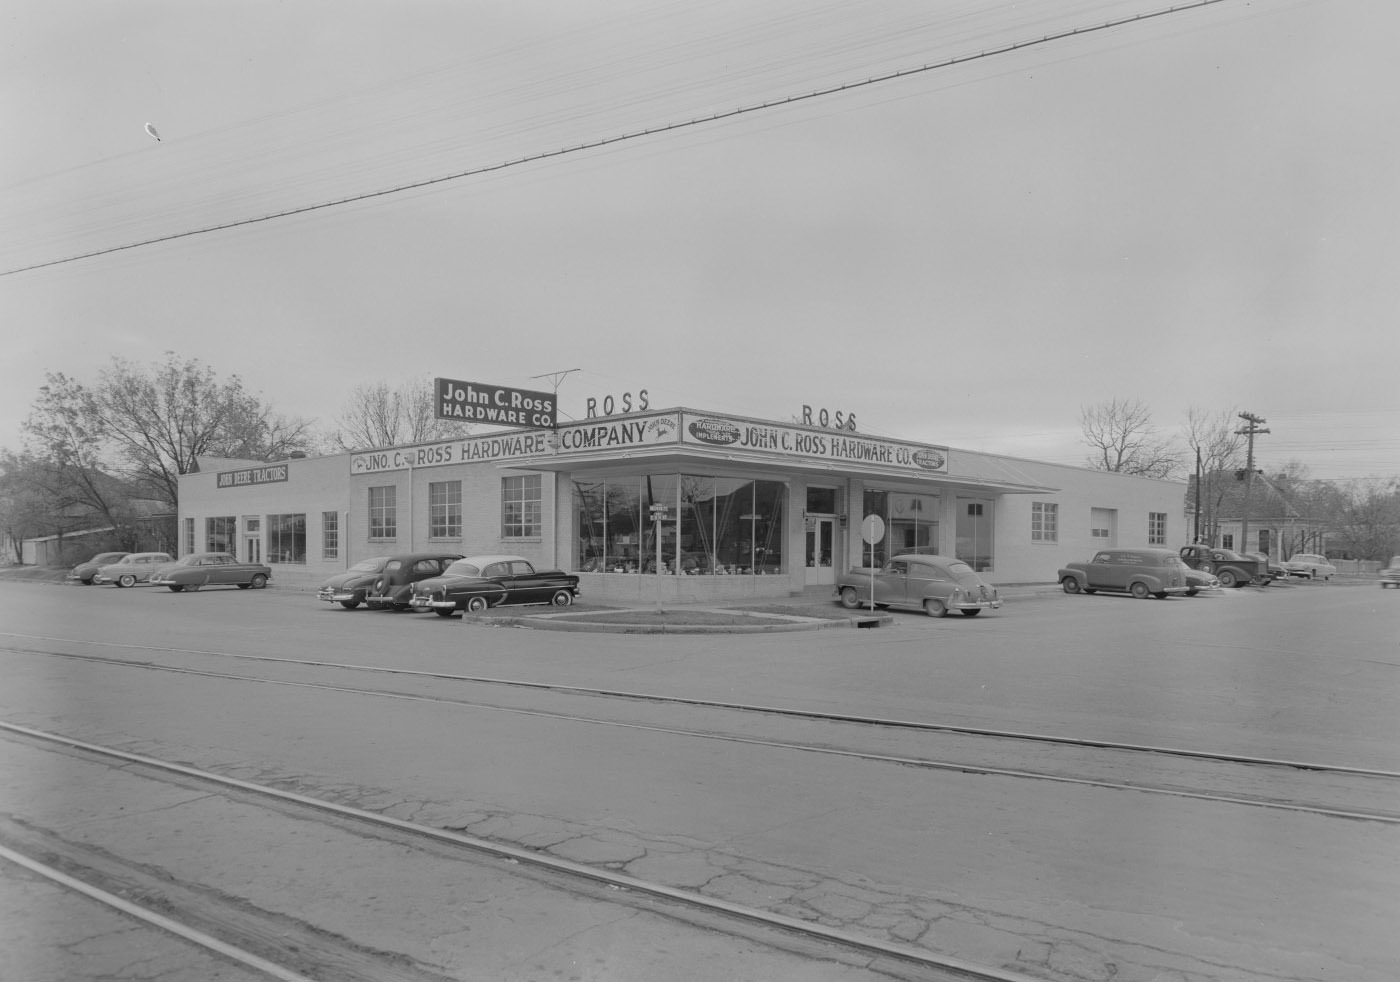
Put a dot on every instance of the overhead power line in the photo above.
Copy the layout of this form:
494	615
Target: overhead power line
634	135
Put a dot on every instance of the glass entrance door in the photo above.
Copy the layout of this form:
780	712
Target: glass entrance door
821	551
252	548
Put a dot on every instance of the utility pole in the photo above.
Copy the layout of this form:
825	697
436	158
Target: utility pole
1254	426
1197	536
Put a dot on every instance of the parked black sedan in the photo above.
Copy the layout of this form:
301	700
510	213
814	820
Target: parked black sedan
393	585
478	582
383	581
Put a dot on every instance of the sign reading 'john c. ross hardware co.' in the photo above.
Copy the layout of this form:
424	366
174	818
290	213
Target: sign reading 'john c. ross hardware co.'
481	402
792	441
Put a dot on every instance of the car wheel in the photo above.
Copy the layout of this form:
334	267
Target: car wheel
259	581
193	587
444	611
1161	594
1228	578
87	581
1070	584
175	587
849	600
349	604
1192	591
1139	591
973	612
477	604
125	580
935	608
562	598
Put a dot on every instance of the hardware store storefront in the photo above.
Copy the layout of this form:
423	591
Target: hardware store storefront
676	505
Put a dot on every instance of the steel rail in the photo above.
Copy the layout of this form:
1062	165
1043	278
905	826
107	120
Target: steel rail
1275	804
169	925
917	725
846	939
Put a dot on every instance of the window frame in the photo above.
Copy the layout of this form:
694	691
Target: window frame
522	516
1045	521
1156	528
445	509
383	515
330	535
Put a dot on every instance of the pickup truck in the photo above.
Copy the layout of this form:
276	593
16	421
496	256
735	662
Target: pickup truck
1229	567
1390	576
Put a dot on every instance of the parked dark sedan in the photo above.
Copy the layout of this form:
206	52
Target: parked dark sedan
84	572
392	586
478	582
201	569
349	588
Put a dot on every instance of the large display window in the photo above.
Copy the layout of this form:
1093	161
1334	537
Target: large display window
911	524
680	524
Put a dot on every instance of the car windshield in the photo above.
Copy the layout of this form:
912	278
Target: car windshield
462	568
369	565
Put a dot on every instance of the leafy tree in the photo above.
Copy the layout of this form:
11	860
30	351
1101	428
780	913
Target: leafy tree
1124	439
150	425
380	416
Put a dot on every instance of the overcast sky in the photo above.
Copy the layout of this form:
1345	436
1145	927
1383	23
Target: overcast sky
1195	210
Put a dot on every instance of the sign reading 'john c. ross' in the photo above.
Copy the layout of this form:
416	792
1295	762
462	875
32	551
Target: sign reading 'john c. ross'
481	402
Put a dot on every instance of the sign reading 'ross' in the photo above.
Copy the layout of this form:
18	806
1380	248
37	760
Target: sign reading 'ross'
481	402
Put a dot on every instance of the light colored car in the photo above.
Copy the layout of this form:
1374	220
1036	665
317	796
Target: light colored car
1140	572
933	584
1390	576
1311	566
201	569
133	569
84	572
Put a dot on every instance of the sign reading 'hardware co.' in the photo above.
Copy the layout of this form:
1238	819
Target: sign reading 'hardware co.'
251	475
481	402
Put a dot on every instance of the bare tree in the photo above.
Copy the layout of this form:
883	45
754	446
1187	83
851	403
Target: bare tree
1124	439
1213	442
150	426
380	416
1368	523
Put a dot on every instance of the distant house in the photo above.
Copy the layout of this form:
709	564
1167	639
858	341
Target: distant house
1278	525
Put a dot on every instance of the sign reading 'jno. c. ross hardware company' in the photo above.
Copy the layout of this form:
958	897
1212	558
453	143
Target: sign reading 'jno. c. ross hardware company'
481	402
251	475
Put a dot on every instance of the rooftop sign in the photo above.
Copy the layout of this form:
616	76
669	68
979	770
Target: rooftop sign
499	405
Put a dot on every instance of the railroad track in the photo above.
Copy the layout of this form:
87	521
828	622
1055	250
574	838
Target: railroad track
279	946
1313	787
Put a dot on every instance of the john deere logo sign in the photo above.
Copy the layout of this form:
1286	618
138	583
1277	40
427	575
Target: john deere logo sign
930	460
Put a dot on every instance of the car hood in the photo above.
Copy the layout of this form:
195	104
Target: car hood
349	580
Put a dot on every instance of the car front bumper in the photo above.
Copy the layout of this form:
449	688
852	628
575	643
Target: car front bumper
337	596
428	603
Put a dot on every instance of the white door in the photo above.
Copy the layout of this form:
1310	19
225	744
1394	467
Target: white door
821	551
